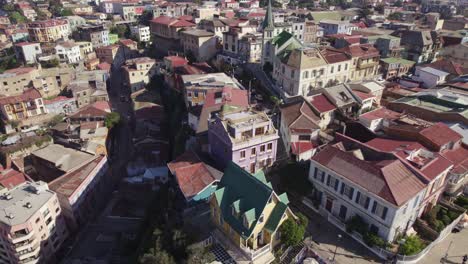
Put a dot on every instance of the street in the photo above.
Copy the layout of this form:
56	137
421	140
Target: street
456	251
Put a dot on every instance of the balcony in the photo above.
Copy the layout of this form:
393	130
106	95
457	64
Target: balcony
24	245
28	254
364	64
20	237
257	253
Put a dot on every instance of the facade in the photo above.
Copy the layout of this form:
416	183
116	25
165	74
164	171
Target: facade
313	33
420	46
169	27
80	191
365	62
244	136
395	67
21	107
456	53
33	225
138	72
97	34
15	81
68	52
332	27
429	77
60	105
107	53
247	212
142	33
200	43
346	191
27	52
49	30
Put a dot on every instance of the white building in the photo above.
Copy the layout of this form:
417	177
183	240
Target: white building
27	52
68	52
142	33
430	77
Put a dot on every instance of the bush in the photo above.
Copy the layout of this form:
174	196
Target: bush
112	119
372	239
291	232
453	215
356	223
462	201
446	220
413	245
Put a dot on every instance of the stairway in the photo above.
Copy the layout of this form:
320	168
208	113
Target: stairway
292	253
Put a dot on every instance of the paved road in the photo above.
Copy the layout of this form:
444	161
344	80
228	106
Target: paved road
457	250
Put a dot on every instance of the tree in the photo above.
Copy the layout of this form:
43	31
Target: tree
17	18
292	233
364	13
395	16
50	63
40	15
8	7
199	255
413	245
380	8
112	119
121	30
398	3
145	18
66	12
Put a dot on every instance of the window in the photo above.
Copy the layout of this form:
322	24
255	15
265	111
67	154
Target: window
332	69
332	182
347	190
362	199
262	148
242	154
379	210
339	68
305	75
292	73
260	219
259	131
316	171
37	220
416	201
322	178
346	67
221	220
269	146
304	137
253	152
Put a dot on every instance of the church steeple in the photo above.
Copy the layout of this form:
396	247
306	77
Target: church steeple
268	23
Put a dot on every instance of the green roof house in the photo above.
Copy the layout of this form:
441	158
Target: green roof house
249	213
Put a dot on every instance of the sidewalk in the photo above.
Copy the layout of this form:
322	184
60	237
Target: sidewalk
325	239
456	252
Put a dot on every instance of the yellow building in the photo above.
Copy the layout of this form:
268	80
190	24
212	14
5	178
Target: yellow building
247	211
138	72
48	30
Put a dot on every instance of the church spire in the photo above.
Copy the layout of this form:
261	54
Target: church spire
268	21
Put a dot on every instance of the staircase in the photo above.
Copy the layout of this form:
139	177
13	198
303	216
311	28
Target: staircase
291	253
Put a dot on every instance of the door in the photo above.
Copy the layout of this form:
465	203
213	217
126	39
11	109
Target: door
329	204
252	167
343	211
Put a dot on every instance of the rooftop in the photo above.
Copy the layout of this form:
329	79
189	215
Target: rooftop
63	158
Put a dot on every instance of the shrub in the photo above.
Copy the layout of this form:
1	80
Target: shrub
413	245
453	215
372	239
446	220
356	223
462	201
112	119
291	233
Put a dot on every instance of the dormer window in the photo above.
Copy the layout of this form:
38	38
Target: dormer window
260	220
245	222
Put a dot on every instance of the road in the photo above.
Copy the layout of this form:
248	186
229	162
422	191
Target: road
456	251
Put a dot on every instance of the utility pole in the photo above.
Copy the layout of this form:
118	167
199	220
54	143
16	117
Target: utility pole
446	253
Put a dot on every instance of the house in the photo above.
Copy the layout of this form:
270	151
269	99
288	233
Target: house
27	52
97	34
365	64
138	72
199	43
421	46
429	77
86	92
352	180
68	52
167	29
247	212
244	136
331	27
196	180
60	105
372	88
16	81
344	99
216	25
395	67
323	107
81	191
456	53
197	85
449	66
142	33
299	129
49	30
378	119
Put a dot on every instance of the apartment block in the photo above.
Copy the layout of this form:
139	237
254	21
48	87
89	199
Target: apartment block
49	30
138	72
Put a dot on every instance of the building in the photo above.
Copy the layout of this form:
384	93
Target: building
49	30
216	25
75	21
19	108
15	81
27	52
166	32
60	105
87	92
80	191
50	82
365	60
33	224
456	53
97	34
395	67
196	86
138	72
199	43
429	77
196	180
242	46
299	71
107	53
299	128
142	33
244	136
350	182
388	45
68	52
378	119
420	46
332	27
313	33
247	212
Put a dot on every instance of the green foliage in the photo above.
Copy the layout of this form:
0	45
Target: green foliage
395	16
55	120
412	245
145	18
380	8
50	63
294	178
364	13
112	119
198	255
302	220
398	3
356	223
462	201
17	18
66	12
122	30
8	63
372	239
292	233
8	7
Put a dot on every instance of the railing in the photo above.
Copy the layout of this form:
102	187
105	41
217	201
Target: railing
253	254
285	254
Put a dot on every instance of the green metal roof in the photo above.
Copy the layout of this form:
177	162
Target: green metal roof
236	206
275	216
398	60
281	38
253	193
333	15
284	198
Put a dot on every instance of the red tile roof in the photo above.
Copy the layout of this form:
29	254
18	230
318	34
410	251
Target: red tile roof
440	134
389	179
363	96
391	145
104	66
302	146
362	51
102	105
381	113
321	103
165	20
27	95
227	95
192	175
10	178
459	158
56	99
334	56
176	61
89	111
20	70
183	23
